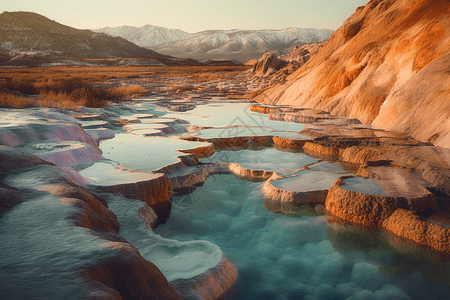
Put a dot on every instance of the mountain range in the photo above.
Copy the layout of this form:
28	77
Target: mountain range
145	36
241	45
31	32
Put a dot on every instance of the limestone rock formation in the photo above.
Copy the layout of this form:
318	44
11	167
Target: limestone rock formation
74	250
156	193
304	53
386	64
405	223
267	65
371	209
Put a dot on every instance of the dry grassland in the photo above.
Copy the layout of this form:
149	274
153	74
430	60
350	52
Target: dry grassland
70	87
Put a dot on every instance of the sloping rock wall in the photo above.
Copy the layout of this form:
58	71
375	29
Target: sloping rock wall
387	65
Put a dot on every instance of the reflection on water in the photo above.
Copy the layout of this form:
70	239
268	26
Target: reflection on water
269	159
307	181
218	115
145	153
279	257
284	250
364	185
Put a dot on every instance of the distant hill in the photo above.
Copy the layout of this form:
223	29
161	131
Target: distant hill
241	45
31	32
146	36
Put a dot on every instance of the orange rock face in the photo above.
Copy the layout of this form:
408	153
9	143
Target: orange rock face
156	193
406	224
387	65
372	210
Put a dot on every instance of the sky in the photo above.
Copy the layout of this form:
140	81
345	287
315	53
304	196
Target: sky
192	15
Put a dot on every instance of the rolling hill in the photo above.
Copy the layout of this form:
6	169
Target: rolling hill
31	32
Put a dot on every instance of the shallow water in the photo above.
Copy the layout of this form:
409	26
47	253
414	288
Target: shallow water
302	258
145	153
363	185
307	181
269	159
218	115
281	252
287	252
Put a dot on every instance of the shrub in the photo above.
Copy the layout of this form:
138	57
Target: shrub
12	101
130	90
79	97
22	86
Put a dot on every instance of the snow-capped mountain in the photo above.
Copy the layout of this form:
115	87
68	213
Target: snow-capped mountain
145	36
241	45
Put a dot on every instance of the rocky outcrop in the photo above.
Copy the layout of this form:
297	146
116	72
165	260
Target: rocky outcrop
373	210
386	64
262	109
187	160
407	224
155	192
242	172
310	198
188	178
200	152
304	53
267	65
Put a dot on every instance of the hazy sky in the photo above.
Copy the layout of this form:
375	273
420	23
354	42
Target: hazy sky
192	15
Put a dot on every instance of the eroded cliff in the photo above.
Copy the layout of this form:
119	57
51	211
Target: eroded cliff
387	65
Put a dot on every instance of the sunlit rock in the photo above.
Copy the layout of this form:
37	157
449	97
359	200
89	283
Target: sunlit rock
306	187
186	179
262	109
151	188
366	202
267	65
63	154
406	224
386	64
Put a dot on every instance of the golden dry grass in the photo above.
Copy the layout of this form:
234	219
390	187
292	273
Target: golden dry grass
130	90
102	74
13	101
68	87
